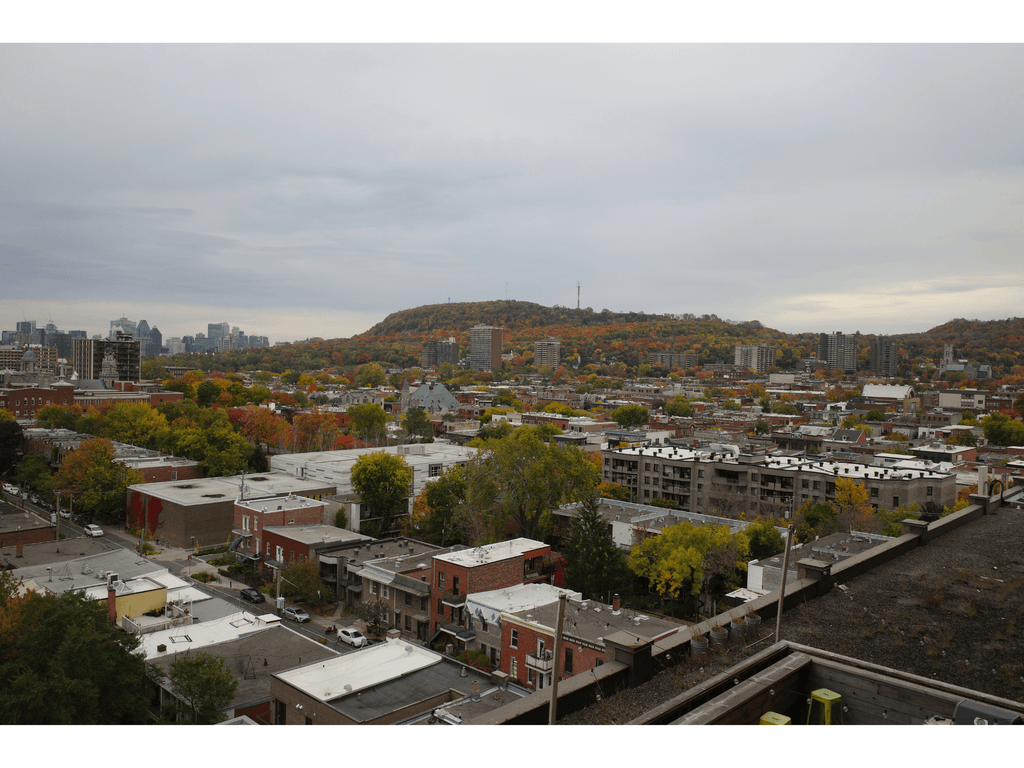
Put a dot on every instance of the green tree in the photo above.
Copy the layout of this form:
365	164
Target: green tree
96	482
340	519
203	685
376	616
1000	429
595	564
371	375
301	580
11	438
206	393
368	421
62	662
444	501
631	415
134	423
34	471
383	482
814	518
698	560
874	415
522	479
614	491
679	406
764	539
761	427
417	424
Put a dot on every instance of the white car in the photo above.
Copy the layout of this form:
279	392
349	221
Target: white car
353	637
10	489
297	615
93	530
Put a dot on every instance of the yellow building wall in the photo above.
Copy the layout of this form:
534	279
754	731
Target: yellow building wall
138	603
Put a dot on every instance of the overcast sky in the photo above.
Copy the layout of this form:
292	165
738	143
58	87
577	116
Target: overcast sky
308	190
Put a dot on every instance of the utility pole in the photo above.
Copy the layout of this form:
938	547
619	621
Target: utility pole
782	588
552	714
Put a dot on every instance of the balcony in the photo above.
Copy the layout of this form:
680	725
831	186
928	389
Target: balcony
542	662
454	599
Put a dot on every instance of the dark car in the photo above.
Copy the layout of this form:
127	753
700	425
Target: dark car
252	595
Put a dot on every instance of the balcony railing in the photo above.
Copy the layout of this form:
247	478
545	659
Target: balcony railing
454	598
543	661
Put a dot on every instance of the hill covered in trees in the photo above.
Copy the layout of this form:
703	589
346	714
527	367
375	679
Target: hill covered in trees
618	343
510	315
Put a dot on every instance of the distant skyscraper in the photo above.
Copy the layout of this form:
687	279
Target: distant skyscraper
89	354
756	357
433	353
838	351
485	347
546	352
884	356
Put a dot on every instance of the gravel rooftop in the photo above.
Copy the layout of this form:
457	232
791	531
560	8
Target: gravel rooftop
951	610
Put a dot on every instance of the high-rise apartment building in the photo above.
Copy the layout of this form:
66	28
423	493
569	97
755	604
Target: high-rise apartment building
884	356
546	352
89	354
485	347
838	351
434	353
674	359
756	357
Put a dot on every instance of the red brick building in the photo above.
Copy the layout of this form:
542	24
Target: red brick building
252	516
495	566
528	638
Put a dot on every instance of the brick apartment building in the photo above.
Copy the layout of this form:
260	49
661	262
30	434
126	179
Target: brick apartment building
528	638
253	516
727	483
482	569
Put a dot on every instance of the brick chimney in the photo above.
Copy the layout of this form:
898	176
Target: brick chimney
112	604
21	548
616	604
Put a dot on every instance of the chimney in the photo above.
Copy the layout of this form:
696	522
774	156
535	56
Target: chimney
615	602
112	604
21	548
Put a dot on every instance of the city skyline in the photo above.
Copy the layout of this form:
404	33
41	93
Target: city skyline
300	191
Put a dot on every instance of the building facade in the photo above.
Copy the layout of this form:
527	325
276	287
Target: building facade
485	347
759	357
89	355
546	352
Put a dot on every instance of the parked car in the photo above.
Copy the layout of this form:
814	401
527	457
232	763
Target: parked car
65	514
252	595
353	637
93	530
296	614
10	489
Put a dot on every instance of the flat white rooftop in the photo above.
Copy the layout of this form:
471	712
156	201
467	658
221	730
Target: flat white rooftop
209	489
521	597
195	636
279	504
491	553
358	671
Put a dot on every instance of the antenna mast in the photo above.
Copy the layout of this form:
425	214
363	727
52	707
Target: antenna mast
577	294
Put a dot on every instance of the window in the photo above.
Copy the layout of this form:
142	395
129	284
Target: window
373	587
805	483
440	580
385	592
408	623
513	668
874	493
895	501
268	549
700	473
440	608
408	599
600	663
929	490
567	668
435	470
245	522
514	639
529	676
455	585
817	485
